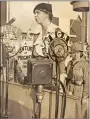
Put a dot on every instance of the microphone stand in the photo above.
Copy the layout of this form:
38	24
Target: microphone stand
39	93
2	88
57	88
7	78
1	78
6	60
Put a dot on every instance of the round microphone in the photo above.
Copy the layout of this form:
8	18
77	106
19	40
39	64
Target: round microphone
11	21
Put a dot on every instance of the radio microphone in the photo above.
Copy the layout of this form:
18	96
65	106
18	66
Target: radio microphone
11	21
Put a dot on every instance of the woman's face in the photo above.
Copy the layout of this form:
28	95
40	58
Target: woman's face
40	16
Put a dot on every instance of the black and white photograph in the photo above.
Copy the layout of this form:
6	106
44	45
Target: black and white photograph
44	59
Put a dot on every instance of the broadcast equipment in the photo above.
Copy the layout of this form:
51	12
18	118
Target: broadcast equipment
10	34
39	72
4	62
58	51
2	53
2	65
11	21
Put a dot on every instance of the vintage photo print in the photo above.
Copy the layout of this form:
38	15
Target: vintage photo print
44	59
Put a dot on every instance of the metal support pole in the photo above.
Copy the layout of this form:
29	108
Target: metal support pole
57	90
86	14
6	99
83	29
1	79
0	95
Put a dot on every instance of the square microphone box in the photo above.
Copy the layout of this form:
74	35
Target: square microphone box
39	71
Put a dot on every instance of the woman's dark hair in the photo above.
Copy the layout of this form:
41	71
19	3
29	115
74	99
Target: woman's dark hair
50	15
